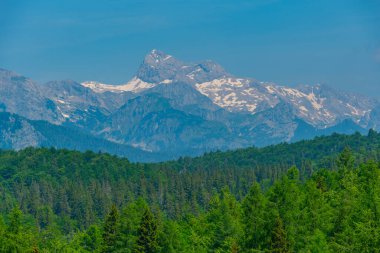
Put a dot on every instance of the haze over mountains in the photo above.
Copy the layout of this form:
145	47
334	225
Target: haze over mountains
171	108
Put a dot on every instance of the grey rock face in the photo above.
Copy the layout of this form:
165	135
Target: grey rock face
374	118
183	96
337	106
17	133
159	67
80	106
151	123
21	95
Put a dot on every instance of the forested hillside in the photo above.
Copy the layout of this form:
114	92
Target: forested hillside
321	195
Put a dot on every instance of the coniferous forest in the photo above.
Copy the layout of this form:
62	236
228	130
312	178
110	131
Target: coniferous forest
321	195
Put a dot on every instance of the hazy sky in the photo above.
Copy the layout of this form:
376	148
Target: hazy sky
288	42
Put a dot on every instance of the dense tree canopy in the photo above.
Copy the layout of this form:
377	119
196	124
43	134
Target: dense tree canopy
313	196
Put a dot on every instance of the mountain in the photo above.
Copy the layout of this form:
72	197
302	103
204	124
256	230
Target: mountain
175	108
25	97
375	118
319	105
159	67
18	133
167	128
83	107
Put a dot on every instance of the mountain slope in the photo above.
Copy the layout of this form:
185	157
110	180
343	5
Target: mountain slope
151	123
18	133
23	96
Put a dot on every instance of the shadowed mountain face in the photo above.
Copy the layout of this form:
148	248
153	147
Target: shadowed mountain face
21	95
18	133
173	108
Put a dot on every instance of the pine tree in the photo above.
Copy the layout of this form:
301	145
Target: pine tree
254	221
16	238
372	134
223	222
15	221
317	243
147	234
346	160
279	242
287	195
91	240
110	230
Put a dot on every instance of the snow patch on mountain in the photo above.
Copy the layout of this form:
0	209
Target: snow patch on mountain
166	81
234	94
309	102
135	85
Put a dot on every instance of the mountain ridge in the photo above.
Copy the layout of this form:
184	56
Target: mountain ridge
247	95
176	108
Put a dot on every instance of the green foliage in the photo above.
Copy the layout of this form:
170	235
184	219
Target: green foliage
147	234
223	217
91	240
279	242
312	196
14	237
15	221
111	230
345	159
256	219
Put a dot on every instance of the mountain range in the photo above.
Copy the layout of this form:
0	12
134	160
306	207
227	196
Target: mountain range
172	108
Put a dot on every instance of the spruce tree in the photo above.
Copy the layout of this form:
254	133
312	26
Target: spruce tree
346	160
254	220
279	242
15	221
110	230
147	234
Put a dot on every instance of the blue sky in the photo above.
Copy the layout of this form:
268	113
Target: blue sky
287	42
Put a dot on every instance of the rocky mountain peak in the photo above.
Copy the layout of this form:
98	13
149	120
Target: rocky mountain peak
158	67
156	56
206	71
209	66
